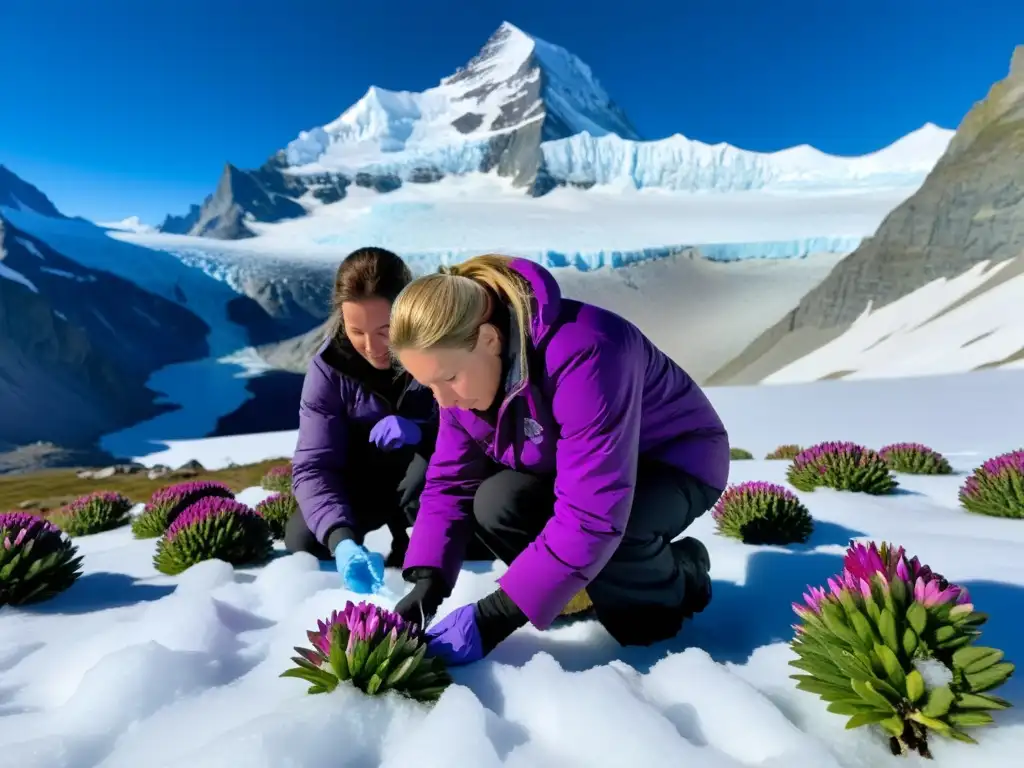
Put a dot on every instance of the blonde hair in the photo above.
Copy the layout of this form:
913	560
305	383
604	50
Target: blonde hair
447	309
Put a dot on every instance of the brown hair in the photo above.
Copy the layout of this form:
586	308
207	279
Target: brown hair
366	273
447	309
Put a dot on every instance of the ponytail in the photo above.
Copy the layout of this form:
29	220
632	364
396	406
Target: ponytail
447	309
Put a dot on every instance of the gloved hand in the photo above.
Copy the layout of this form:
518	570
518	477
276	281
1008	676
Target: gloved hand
361	570
456	638
421	603
393	432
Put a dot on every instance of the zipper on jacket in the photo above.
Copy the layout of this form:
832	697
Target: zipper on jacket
497	422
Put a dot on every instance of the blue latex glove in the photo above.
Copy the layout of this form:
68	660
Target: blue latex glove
393	432
361	570
456	638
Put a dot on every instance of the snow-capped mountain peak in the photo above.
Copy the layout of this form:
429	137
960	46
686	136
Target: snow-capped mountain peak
531	112
514	82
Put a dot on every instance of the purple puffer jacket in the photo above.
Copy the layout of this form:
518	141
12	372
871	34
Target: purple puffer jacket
598	394
337	410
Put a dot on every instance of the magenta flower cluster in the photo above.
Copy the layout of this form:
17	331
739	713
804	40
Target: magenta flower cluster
22	526
112	498
37	559
863	563
904	448
996	487
207	507
278	478
1005	464
915	459
844	466
365	622
743	491
823	451
174	493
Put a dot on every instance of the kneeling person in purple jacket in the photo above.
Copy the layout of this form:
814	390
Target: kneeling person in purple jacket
365	429
568	444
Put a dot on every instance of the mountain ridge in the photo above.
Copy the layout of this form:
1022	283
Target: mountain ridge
524	109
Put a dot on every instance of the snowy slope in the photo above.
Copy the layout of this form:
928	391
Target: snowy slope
131	668
949	326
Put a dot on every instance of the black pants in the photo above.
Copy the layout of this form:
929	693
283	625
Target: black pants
639	595
384	490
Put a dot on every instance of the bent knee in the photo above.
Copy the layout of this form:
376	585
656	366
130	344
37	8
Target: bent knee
505	496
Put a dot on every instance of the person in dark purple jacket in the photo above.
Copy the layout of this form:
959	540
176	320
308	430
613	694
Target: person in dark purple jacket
365	429
568	444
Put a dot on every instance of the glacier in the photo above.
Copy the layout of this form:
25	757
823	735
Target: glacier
590	260
676	163
681	164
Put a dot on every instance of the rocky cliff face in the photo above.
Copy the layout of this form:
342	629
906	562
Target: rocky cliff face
77	345
17	193
970	209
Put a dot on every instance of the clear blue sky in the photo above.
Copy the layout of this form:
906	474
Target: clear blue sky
120	107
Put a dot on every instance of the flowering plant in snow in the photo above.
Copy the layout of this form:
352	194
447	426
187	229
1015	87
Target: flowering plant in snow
93	513
915	459
373	649
37	561
168	502
890	642
277	510
740	454
788	451
996	487
843	466
762	513
278	478
213	528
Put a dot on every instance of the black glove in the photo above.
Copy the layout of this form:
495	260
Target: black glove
422	602
497	617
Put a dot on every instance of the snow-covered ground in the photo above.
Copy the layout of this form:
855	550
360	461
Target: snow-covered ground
131	668
947	326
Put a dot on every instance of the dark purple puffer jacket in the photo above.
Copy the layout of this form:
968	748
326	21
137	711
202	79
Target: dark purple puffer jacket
343	396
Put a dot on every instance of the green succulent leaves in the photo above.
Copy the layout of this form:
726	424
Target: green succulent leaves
37	561
374	662
94	513
842	466
885	659
762	513
996	488
231	533
277	510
